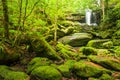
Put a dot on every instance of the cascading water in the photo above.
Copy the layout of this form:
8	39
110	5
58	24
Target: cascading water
88	16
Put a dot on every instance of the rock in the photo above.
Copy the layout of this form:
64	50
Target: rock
76	39
36	62
46	73
7	74
103	52
106	77
97	43
64	69
70	63
65	51
88	50
107	62
88	69
108	44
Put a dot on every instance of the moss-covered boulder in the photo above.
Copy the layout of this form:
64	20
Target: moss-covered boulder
65	51
108	44
88	50
8	53
7	74
36	62
104	52
106	77
70	63
88	69
76	39
64	69
97	43
46	73
107	62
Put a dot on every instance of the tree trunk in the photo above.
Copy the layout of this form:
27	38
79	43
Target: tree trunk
6	18
103	9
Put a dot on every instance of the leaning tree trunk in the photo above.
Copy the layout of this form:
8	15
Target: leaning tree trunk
6	18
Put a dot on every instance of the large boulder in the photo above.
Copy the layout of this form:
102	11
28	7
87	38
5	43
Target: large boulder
76	39
107	62
46	73
7	74
37	62
87	69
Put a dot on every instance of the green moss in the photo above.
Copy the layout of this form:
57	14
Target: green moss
46	73
39	45
65	51
97	43
88	69
108	44
7	74
103	52
16	76
64	69
36	62
88	50
106	77
107	62
70	63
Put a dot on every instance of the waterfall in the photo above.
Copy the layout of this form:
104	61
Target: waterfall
94	19
91	18
88	16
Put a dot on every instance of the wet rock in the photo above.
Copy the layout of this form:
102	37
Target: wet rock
76	39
